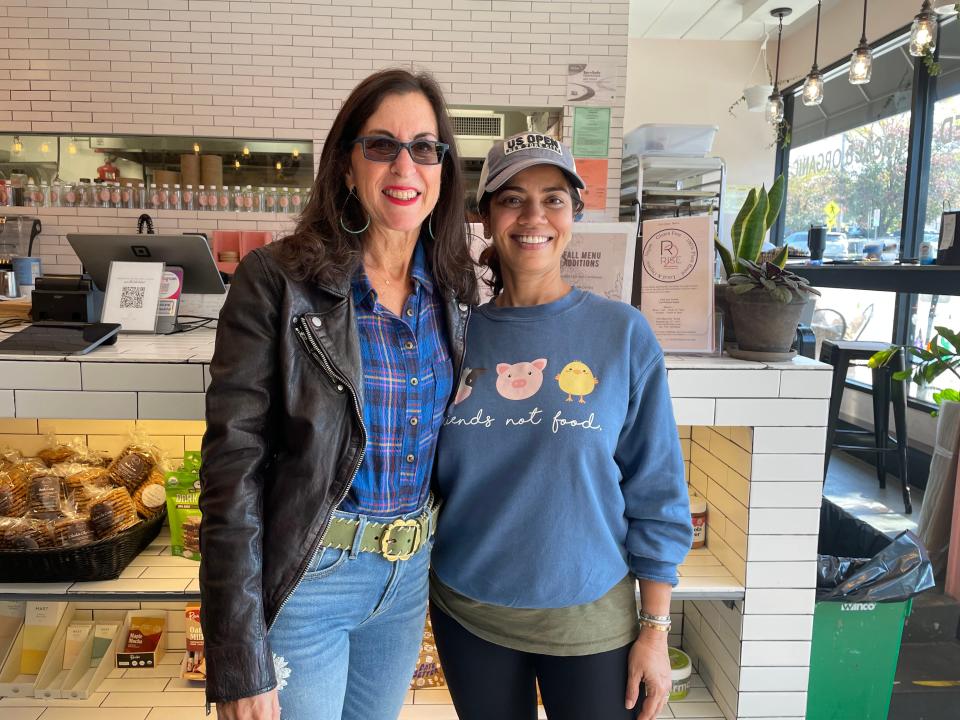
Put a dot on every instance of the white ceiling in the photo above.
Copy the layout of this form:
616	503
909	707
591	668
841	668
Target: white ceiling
714	19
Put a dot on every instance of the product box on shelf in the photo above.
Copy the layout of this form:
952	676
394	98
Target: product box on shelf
24	660
143	639
79	657
194	665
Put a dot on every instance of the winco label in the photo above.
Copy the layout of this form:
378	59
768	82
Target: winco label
857	607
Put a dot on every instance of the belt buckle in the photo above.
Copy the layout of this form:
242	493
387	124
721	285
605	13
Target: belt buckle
386	539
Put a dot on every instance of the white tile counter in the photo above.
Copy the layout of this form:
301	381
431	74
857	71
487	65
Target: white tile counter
753	439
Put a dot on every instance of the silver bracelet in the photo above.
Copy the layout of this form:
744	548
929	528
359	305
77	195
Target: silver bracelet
655	619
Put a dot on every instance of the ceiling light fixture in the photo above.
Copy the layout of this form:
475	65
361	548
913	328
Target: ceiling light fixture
813	85
17	145
861	61
923	34
196	148
246	151
774	111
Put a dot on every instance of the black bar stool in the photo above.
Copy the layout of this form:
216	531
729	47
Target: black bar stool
840	354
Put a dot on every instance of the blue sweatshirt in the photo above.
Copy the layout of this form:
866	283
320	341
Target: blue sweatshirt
559	460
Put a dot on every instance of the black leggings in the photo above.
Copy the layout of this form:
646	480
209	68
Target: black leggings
490	681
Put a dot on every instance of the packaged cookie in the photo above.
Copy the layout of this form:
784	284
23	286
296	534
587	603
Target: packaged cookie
183	508
13	496
132	467
25	534
112	511
46	497
191	536
58	453
9	457
26	467
73	531
85	485
151	496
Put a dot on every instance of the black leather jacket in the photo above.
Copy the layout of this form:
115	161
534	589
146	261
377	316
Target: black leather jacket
284	440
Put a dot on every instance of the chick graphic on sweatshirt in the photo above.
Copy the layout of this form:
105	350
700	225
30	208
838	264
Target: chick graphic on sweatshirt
576	379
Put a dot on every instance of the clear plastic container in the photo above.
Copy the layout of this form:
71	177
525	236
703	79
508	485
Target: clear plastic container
68	195
188	199
140	199
55	197
202	197
103	195
260	201
30	196
116	195
655	139
270	200
283	201
224	200
174	198
248	199
213	198
164	196
154	197
296	200
236	199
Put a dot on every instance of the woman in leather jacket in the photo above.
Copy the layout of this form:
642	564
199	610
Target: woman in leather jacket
335	356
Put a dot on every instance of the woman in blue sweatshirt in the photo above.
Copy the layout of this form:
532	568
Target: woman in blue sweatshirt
562	476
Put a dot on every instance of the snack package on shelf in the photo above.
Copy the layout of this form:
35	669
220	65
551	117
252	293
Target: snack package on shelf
183	508
145	640
428	673
39	626
194	666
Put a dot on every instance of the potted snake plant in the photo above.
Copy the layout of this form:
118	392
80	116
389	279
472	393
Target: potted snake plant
766	301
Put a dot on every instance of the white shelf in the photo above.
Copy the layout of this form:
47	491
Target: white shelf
160	694
155	574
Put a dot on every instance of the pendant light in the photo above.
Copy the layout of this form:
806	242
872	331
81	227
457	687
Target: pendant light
861	61
775	101
813	85
923	34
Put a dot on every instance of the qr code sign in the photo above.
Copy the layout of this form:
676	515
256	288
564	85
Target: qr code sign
132	297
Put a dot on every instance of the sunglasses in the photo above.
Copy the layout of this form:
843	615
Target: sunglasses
380	148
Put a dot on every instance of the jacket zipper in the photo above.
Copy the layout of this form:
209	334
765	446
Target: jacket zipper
315	351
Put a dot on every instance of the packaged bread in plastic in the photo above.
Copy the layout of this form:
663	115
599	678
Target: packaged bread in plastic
46	497
134	464
25	534
112	511
151	497
13	495
85	485
73	531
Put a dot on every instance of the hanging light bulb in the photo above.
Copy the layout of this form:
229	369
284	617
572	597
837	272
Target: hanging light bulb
774	110
17	145
44	148
279	166
236	164
296	153
813	85
196	148
72	147
923	34
861	61
246	151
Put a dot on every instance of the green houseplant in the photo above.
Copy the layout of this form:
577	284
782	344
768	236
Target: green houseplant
942	354
766	301
757	215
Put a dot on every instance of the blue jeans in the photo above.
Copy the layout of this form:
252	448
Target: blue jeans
345	644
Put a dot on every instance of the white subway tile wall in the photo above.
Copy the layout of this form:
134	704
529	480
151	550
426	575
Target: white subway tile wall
253	69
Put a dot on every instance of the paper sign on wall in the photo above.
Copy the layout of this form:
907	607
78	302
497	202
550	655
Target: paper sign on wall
593	171
591	132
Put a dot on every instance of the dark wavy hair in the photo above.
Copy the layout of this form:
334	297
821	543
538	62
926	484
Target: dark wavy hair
322	251
490	258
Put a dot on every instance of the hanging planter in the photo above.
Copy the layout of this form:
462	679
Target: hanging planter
756	97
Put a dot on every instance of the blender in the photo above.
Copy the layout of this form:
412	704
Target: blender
17	266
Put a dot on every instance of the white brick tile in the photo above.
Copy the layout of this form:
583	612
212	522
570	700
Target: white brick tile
694	411
786	494
771	412
787	468
798	575
771	548
765	653
724	383
39	375
777	627
772	679
142	376
765	601
171	406
811	440
74	404
758	704
6	404
806	384
784	521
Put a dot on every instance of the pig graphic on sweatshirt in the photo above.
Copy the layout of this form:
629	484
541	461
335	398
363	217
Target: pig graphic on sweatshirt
520	380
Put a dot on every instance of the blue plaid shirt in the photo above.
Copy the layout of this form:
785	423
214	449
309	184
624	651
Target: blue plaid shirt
407	378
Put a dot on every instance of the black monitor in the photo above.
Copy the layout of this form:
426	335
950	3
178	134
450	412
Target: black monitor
191	252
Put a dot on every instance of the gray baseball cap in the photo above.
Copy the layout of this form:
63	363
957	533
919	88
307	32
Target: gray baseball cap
519	152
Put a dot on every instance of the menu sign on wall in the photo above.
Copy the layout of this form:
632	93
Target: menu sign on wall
599	258
676	291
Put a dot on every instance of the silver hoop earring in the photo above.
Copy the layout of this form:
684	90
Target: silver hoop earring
430	226
352	232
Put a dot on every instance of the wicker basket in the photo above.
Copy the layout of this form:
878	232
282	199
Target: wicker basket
102	560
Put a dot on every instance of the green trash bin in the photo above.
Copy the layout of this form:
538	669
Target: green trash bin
859	614
853	658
